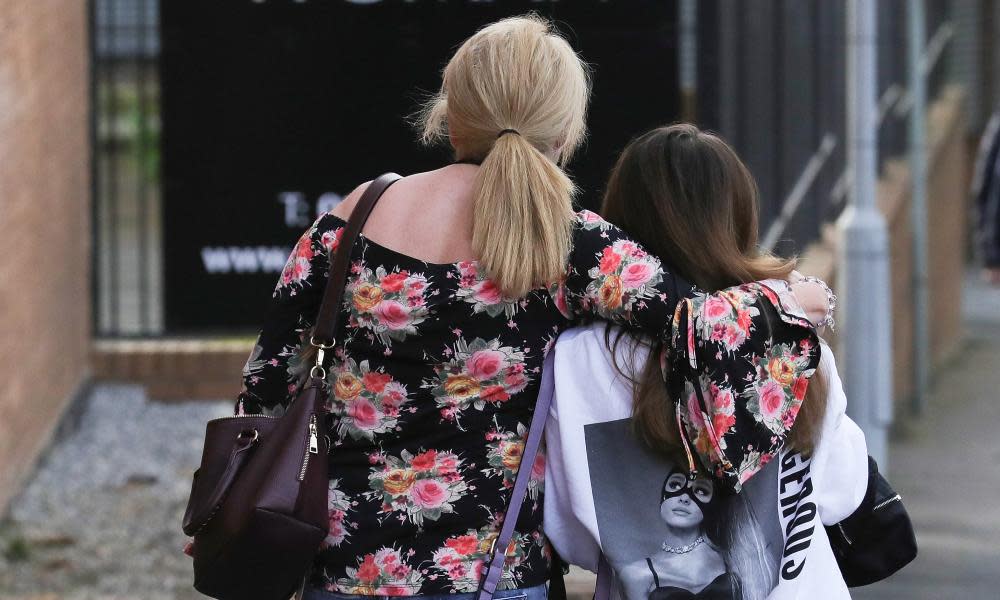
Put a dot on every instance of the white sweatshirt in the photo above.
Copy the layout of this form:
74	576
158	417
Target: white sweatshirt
602	486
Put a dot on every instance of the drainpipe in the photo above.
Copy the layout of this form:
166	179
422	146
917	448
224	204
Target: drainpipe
918	204
864	259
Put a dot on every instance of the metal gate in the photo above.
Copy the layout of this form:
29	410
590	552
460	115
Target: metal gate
125	132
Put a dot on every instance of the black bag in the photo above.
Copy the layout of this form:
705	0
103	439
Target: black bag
877	539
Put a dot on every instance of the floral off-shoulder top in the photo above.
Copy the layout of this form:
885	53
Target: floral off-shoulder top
434	384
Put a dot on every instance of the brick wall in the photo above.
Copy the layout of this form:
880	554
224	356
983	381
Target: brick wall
45	224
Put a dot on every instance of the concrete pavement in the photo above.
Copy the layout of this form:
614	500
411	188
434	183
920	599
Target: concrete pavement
946	465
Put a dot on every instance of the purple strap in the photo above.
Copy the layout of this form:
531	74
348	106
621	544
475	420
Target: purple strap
604	576
498	553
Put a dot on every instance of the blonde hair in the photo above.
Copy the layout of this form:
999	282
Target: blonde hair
515	74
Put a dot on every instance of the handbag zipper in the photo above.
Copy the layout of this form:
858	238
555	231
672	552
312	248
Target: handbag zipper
247	416
312	446
885	503
879	506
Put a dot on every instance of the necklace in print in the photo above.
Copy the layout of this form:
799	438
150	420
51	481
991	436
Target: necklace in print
683	549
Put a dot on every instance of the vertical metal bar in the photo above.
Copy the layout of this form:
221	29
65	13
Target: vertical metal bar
142	219
864	260
688	59
918	204
95	173
740	62
778	107
114	321
728	100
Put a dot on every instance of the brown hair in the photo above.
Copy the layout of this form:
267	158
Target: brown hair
687	197
514	97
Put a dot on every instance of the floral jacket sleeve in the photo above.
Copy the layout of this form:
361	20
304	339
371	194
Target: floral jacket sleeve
273	371
750	349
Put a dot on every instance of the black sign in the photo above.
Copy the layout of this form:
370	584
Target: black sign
274	109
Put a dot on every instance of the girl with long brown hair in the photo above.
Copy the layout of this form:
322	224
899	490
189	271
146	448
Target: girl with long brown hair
686	196
684	193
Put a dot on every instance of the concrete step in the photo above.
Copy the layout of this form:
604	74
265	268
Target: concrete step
174	369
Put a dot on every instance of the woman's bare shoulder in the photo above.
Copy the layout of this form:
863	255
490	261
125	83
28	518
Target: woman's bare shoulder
343	210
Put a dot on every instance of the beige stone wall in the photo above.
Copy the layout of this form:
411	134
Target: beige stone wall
949	164
45	224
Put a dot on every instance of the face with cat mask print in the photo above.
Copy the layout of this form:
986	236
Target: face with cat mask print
686	502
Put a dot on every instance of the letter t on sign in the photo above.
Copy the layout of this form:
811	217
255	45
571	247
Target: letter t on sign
296	209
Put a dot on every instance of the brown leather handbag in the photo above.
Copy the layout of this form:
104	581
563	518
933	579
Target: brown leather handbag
258	504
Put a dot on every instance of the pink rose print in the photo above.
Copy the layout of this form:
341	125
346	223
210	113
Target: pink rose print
488	293
558	293
464	544
389	305
417	487
365	403
694	412
482	293
734	337
632	249
295	271
495	393
424	461
363	412
393	395
331	239
485	364
538	467
800	387
788	419
393	282
772	397
427	493
610	261
515	379
716	308
743	320
375	381
338	505
636	275
392	314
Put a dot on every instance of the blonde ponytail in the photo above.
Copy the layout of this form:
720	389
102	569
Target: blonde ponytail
524	214
514	97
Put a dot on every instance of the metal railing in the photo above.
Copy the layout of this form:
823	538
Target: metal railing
772	82
894	102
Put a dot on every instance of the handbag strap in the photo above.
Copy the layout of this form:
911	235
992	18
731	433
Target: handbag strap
325	332
604	577
498	552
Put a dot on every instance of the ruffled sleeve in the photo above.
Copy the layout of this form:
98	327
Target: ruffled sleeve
750	349
741	360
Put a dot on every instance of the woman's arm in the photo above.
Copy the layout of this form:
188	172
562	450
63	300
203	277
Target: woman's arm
613	278
739	359
273	371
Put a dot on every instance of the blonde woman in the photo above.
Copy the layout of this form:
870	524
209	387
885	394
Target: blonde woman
461	280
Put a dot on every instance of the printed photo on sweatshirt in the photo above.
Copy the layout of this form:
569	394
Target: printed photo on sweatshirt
669	537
